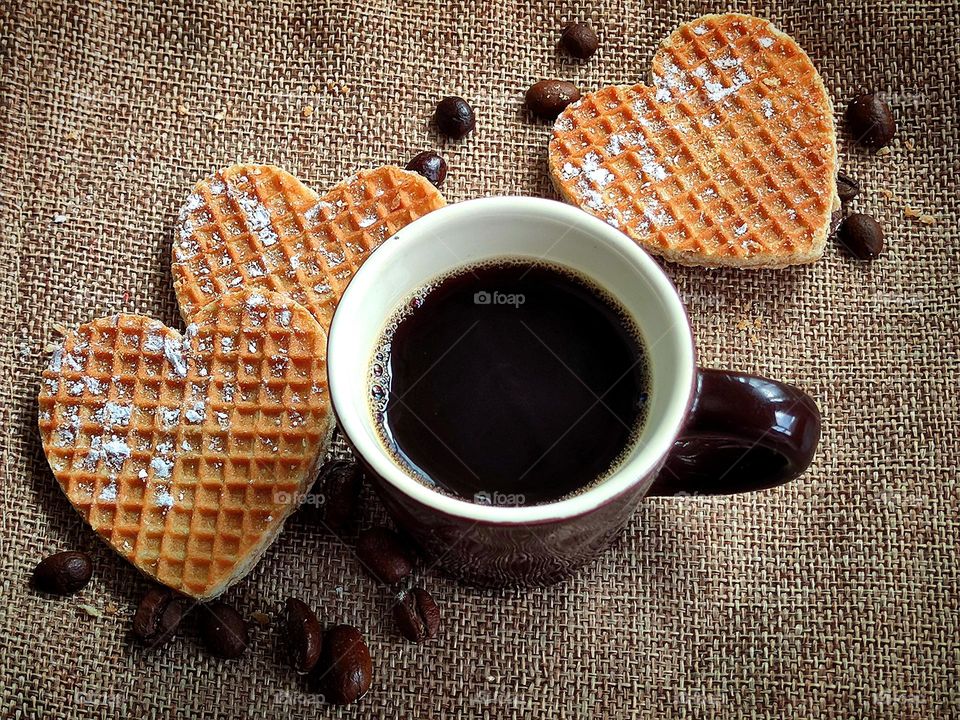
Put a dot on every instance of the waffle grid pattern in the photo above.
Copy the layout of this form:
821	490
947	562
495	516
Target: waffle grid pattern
186	454
728	158
259	226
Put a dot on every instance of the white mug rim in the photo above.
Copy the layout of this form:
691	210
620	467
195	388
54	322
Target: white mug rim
377	457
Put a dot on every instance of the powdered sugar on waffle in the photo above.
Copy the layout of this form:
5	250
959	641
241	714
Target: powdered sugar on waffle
367	220
300	241
321	211
187	246
162	467
114	414
257	215
145	433
740	75
714	88
173	351
162	497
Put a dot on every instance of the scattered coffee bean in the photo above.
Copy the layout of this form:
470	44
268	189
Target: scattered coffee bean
341	481
63	573
170	620
304	636
579	40
345	665
383	555
847	187
870	121
431	166
147	617
548	98
454	117
416	615
224	631
158	616
862	236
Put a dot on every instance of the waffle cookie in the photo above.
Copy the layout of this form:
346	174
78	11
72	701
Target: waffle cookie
728	158
258	226
187	453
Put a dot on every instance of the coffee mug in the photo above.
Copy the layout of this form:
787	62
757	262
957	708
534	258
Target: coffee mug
706	432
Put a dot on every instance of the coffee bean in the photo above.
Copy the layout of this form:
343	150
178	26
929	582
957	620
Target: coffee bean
383	555
147	617
63	573
548	98
304	636
578	40
862	236
416	615
345	665
170	620
224	631
870	121
454	117
847	187
341	481
158	617
431	166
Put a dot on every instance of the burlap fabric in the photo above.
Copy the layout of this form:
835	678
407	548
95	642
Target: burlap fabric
833	597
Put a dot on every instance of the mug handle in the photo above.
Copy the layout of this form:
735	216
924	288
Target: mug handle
743	433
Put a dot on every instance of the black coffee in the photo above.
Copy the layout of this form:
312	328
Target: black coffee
513	383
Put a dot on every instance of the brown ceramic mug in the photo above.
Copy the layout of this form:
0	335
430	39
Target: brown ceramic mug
706	432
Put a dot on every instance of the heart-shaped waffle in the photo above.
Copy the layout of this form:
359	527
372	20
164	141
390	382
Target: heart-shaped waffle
259	226
187	453
730	158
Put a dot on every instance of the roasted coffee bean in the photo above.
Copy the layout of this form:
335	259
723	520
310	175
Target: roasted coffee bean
578	40
847	187
224	631
151	607
341	482
862	236
383	555
345	665
431	166
304	636
870	121
158	617
63	573
170	621
416	615
454	117
548	98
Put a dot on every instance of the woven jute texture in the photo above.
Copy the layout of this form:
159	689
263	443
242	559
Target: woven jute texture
835	596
